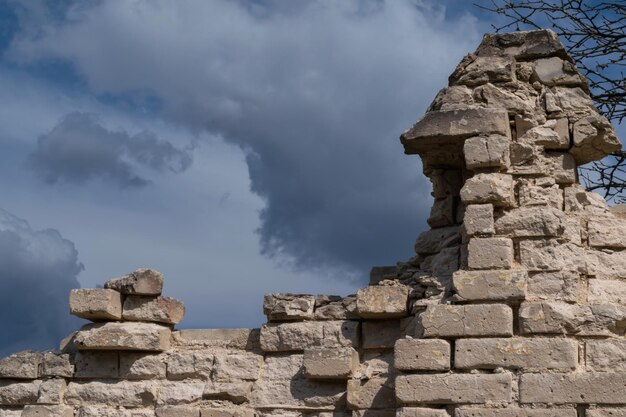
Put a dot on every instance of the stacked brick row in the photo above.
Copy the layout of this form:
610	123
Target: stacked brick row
513	306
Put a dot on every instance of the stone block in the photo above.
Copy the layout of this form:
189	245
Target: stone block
143	281
486	152
467	320
247	339
179	392
605	265
375	393
475	70
478	220
22	365
490	253
555	71
227	412
608	355
443	212
166	310
237	365
593	138
607	232
376	363
380	334
361	413
496	285
422	355
517	353
535	195
563	318
322	363
551	255
515	412
493	188
57	364
382	301
334	307
545	137
421	412
123	336
15	392
454	388
237	392
52	391
142	366
280	307
103	411
96	304
573	388
193	364
558	286
531	222
501	97
177	411
522	45
96	364
113	394
576	199
603	291
300	394
450	126
605	412
434	240
284	337
48	411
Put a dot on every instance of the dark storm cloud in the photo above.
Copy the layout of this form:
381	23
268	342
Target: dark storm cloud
37	271
316	95
79	149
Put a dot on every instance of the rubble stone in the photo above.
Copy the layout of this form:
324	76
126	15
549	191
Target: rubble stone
593	139
143	281
375	393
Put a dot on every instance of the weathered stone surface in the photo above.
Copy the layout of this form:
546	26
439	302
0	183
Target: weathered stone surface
102	411
443	264
237	392
605	412
96	304
498	285
534	195
503	98
593	139
375	393
551	255
114	394
608	355
607	232
563	318
489	188
576	199
573	388
142	366
515	412
486	152
474	70
380	334
555	71
452	98
531	222
96	364
237	365
56	364
123	336
574	102
300	393
434	240
228	412
443	212
606	265
421	412
281	337
545	137
143	281
557	286
453	388
218	338
478	220
441	127
607	291
522	44
14	393
467	320
22	365
321	363
52	391
180	392
516	352
153	309
190	364
48	411
177	411
376	363
333	307
288	306
490	253
422	355
382	301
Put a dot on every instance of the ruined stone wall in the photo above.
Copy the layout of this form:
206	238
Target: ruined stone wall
514	304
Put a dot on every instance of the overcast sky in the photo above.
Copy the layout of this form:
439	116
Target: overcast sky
239	147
